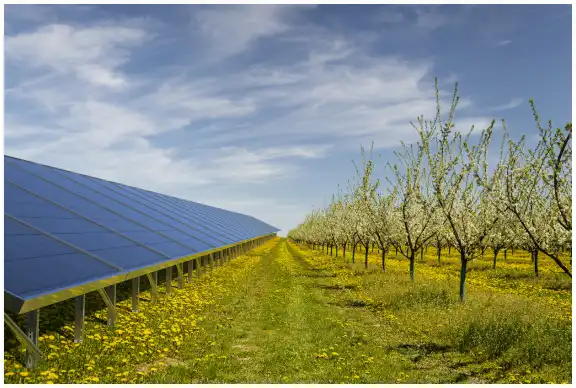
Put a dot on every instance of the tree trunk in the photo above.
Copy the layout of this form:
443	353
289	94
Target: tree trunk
422	253
366	257
412	259
449	249
336	250
344	251
383	260
439	249
331	248
505	253
372	248
463	267
353	252
495	255
396	251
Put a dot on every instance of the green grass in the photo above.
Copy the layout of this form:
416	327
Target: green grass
298	319
287	314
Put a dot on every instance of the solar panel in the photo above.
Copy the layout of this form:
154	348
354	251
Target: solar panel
68	233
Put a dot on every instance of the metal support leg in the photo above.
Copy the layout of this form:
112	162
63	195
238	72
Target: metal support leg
180	268
31	347
80	308
198	264
211	262
111	292
32	332
190	270
153	279
135	293
168	280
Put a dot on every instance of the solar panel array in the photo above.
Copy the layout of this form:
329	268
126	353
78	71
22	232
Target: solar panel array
63	229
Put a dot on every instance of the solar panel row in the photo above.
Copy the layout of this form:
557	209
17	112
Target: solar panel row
65	230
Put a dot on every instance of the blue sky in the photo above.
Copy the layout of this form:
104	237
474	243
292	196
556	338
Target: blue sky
261	109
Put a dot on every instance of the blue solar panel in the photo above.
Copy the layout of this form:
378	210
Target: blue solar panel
197	220
65	230
34	263
203	210
76	203
140	197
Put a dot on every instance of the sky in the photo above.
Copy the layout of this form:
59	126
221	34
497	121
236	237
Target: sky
261	109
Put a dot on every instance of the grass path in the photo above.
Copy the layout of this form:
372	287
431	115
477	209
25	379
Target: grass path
288	323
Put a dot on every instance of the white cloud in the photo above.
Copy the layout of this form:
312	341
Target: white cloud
513	103
504	42
429	18
465	124
390	16
91	53
230	30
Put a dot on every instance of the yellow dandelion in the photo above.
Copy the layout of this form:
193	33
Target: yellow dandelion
24	374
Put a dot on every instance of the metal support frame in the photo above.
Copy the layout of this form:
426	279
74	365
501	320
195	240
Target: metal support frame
32	332
211	261
153	279
198	264
79	313
135	293
180	268
168	280
109	304
190	270
110	301
155	276
33	354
